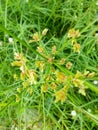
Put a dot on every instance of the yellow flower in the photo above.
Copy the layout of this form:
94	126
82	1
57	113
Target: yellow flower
19	90
32	76
76	47
69	65
25	84
91	75
40	65
44	32
30	90
36	37
50	59
77	82
15	76
17	98
60	95
40	49
18	56
44	88
62	61
53	86
73	34
54	50
61	77
16	63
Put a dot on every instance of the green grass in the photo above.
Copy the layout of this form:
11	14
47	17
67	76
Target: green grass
39	110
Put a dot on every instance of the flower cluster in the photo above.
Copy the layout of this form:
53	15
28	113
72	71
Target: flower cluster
45	74
73	34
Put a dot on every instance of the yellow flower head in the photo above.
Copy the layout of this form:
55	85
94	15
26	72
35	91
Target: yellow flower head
44	88
62	61
73	34
60	95
61	77
44	32
54	50
76	47
40	49
36	37
69	65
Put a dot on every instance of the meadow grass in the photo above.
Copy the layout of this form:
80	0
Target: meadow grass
48	65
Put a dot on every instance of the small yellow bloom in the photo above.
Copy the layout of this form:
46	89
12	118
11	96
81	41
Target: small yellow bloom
36	37
54	50
25	84
30	90
44	88
51	59
78	75
82	91
85	73
40	65
69	65
16	63
40	49
76	47
60	95
91	75
62	61
53	86
17	98
32	76
18	56
19	90
44	32
15	76
61	77
73	34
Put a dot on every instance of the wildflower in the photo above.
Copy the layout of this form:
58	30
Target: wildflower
60	95
19	90
62	61
78	74
36	37
95	82
73	113
10	40
50	59
77	82
17	98
76	47
40	65
44	88
73	34
16	63
15	76
23	75
82	90
85	73
61	76
18	56
54	50
69	65
25	84
30	90
91	75
44	32
53	86
32	76
40	49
